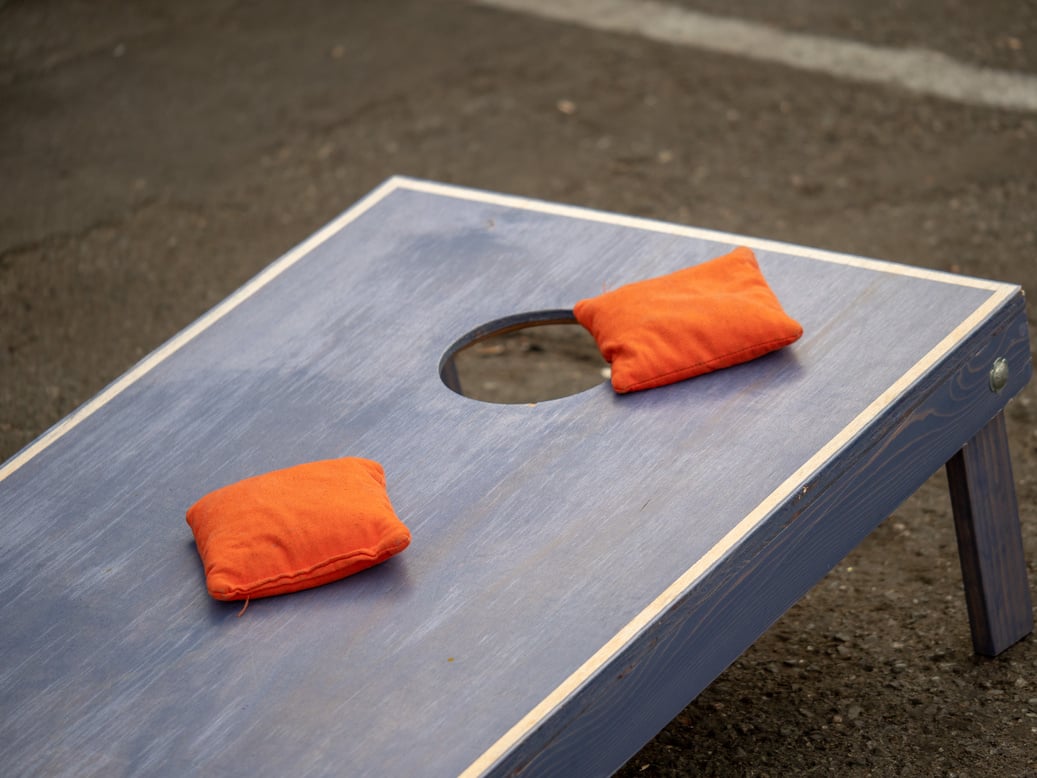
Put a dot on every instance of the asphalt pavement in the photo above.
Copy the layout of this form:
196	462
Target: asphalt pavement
154	156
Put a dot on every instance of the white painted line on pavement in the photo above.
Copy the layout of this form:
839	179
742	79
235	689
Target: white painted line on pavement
919	70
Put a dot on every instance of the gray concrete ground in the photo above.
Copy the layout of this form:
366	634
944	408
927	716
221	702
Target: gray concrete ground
154	156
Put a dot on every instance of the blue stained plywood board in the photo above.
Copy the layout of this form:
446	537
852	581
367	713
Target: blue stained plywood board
550	541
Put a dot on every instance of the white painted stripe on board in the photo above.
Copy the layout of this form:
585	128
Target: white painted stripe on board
918	70
701	233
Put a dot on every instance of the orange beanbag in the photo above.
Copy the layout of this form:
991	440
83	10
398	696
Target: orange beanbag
295	528
693	321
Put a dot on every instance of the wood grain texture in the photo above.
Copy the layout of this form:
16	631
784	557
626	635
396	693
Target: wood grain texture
579	568
990	543
681	653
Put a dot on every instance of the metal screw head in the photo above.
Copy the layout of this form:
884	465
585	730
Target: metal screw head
999	374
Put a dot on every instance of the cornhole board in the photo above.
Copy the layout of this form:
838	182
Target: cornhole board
580	568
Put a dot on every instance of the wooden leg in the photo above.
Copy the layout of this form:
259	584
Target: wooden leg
986	518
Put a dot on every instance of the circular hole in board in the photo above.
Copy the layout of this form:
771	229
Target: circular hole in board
525	358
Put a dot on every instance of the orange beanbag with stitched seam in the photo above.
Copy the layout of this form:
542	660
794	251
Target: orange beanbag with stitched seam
295	528
687	323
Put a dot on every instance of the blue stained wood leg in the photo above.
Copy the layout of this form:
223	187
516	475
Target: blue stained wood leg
986	519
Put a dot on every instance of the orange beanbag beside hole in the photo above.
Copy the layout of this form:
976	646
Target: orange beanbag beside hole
687	323
295	528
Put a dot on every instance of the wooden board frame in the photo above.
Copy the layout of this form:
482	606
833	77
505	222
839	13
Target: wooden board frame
642	675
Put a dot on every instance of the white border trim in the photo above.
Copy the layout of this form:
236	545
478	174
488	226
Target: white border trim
639	222
610	649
